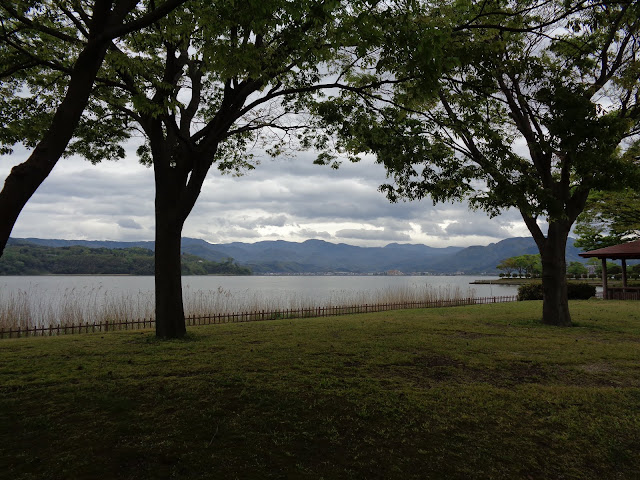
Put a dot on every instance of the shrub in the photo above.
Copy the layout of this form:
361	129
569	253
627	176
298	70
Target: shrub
580	291
530	291
575	291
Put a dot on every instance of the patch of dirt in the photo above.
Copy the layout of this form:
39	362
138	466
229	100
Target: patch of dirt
431	361
353	364
474	335
426	370
595	368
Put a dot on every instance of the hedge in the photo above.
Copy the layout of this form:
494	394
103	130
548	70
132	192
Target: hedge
575	291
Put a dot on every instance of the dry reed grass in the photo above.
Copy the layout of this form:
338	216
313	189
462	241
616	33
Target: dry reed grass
37	308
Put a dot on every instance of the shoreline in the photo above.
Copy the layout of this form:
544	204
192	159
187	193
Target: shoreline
524	281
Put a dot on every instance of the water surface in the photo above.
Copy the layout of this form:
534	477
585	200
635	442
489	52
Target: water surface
79	298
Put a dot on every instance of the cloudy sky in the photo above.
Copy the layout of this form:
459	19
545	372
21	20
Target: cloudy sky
283	199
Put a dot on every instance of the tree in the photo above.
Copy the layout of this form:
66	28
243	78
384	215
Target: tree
508	265
526	265
529	264
576	269
609	218
532	119
520	264
206	84
50	54
612	268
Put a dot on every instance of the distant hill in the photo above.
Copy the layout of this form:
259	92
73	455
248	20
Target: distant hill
484	259
318	256
25	258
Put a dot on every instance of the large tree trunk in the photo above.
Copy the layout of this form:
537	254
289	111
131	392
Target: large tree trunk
175	197
555	306
170	322
552	248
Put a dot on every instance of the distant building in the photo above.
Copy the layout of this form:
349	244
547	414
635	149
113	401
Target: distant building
395	273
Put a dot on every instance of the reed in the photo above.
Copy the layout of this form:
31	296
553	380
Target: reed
36	307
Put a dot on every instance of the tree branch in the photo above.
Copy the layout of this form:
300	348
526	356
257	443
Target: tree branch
156	14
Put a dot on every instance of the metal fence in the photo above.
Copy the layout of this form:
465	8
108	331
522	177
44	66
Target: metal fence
255	316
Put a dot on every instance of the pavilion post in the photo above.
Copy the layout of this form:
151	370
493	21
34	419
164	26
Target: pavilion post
624	273
604	279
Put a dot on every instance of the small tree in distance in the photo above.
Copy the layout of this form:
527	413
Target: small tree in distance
577	269
508	265
530	264
526	265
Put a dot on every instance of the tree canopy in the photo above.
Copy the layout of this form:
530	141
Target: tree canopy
609	218
50	54
526	265
577	269
531	114
508	104
205	85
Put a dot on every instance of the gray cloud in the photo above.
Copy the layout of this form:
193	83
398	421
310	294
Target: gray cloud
289	199
232	233
311	234
363	234
129	223
476	227
272	221
433	229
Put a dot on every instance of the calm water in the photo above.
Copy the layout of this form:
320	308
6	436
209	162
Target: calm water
75	299
318	288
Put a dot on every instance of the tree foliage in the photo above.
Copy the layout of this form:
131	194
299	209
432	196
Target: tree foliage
532	112
609	218
50	54
526	265
576	269
207	84
508	265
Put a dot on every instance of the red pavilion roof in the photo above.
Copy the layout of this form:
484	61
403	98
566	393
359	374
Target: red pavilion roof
624	250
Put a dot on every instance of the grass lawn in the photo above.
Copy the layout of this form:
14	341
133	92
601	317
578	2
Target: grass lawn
458	393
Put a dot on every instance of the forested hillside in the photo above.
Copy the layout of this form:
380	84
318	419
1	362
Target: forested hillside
29	259
318	256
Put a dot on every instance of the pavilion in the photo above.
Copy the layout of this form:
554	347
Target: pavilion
624	252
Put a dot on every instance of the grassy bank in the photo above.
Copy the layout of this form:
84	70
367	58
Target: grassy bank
469	392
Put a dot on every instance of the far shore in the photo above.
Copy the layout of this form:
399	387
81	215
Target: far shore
524	281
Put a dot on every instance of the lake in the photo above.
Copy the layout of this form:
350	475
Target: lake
76	299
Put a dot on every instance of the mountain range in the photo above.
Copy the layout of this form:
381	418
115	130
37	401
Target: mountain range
318	256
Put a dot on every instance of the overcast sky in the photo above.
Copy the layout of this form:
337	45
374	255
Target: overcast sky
283	199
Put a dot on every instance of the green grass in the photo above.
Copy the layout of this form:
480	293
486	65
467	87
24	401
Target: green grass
458	393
